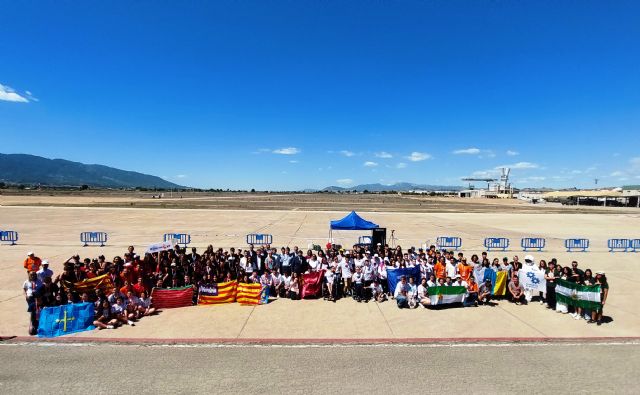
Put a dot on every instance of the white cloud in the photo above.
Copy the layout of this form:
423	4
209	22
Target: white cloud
521	165
491	173
347	153
181	176
286	151
9	94
617	174
418	156
345	181
467	151
401	165
512	153
370	164
293	161
383	155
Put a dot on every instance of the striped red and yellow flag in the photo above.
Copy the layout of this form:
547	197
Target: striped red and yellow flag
168	298
248	293
101	282
217	293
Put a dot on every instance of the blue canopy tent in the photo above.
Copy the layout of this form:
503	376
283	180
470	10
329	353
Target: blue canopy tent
351	222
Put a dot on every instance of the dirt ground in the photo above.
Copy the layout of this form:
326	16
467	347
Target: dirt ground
52	231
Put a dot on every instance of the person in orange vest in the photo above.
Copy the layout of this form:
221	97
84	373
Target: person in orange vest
32	263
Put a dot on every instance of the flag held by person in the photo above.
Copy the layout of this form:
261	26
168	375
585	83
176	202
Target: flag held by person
90	285
584	296
217	293
446	295
65	319
500	285
394	275
312	284
249	294
169	298
532	278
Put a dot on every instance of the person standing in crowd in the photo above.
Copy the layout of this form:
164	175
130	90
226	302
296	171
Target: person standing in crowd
32	262
358	284
601	280
550	276
44	271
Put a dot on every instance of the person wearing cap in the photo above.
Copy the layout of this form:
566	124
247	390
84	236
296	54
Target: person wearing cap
32	262
44	271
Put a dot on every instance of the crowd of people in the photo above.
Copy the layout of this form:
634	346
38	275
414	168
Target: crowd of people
360	273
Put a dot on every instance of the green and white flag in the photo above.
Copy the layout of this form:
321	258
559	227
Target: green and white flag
572	294
446	295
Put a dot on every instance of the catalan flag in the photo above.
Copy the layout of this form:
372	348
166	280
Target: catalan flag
248	293
168	298
90	285
217	293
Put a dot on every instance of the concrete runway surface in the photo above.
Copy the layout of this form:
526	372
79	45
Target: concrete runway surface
587	367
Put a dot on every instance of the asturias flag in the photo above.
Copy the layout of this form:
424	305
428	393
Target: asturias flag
65	319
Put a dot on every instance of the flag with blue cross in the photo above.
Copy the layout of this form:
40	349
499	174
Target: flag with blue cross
65	319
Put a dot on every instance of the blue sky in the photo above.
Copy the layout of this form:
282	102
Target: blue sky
289	95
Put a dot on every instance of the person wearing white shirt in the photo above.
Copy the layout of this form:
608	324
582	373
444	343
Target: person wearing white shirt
330	276
277	283
412	294
451	270
401	292
378	292
423	295
345	270
44	271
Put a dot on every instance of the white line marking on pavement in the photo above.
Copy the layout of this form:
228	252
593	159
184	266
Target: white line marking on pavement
303	346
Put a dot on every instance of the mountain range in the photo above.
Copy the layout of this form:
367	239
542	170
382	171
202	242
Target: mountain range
399	186
31	169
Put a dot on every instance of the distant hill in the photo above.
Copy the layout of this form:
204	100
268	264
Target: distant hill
400	187
31	169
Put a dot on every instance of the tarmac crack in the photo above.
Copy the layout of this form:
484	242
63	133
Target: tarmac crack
385	320
253	308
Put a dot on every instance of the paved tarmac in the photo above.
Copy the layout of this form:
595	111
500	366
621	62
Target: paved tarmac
489	368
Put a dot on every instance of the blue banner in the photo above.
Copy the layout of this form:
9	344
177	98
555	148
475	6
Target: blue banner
393	276
65	319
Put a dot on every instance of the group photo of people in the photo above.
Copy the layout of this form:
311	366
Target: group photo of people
361	273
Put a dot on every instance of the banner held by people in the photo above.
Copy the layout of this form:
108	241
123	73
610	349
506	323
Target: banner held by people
584	296
446	295
157	247
532	278
66	319
248	294
90	285
394	275
217	293
169	298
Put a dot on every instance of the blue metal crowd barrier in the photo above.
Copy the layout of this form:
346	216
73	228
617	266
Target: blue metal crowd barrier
634	245
93	237
496	243
619	245
8	236
533	243
449	242
259	238
576	244
182	238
